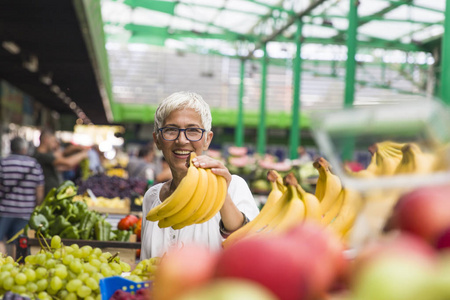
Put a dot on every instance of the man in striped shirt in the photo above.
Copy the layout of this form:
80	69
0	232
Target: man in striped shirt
21	188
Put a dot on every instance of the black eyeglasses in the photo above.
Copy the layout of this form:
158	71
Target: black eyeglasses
172	133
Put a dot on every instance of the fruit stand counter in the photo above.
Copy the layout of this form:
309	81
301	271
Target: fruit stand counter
126	250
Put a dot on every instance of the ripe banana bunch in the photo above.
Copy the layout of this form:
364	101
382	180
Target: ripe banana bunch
284	209
198	198
328	184
339	205
386	156
416	161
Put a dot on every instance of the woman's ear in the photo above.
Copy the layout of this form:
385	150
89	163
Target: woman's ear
208	140
157	143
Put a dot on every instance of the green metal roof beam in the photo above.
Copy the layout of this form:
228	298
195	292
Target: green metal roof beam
167	7
375	18
410	2
273	7
145	113
289	22
222	8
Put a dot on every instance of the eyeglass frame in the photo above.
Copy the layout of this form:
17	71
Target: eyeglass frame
180	130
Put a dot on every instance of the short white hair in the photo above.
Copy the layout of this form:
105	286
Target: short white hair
182	100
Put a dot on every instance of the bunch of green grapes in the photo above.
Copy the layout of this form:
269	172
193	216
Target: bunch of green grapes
63	272
144	270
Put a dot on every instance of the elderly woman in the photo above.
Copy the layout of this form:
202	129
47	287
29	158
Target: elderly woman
183	125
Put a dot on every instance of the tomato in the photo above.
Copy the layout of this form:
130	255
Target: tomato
137	229
127	223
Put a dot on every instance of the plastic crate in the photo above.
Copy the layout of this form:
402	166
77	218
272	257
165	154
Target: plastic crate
111	284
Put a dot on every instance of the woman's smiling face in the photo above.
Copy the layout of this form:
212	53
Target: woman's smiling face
177	152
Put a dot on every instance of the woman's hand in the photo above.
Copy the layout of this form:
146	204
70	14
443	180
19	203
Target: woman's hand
216	166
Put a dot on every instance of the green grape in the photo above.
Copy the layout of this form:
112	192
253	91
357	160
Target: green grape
106	255
44	296
57	254
7	267
19	289
71	296
106	271
31	287
83	276
41	258
55	242
30	259
89	298
91	283
88	268
61	271
86	251
9	260
98	297
48	255
97	251
8	283
30	273
56	283
117	269
50	263
41	272
98	276
95	262
68	249
42	284
14	272
83	291
77	253
68	258
75	246
62	294
20	279
76	266
51	291
3	275
73	285
125	267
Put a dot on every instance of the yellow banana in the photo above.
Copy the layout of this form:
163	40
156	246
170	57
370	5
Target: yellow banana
205	206
192	205
312	204
389	155
351	205
175	202
328	184
269	211
278	187
292	213
222	191
415	161
330	214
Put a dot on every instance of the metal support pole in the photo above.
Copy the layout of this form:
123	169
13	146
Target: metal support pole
261	143
445	62
348	148
239	133
295	134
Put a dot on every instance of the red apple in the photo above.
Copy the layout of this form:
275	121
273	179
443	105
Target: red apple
182	270
400	244
269	262
443	240
326	250
424	211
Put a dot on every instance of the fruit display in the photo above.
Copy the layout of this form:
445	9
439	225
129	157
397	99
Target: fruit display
111	187
114	203
60	272
197	199
60	215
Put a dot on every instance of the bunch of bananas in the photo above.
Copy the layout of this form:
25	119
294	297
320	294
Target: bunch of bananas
339	205
287	205
198	198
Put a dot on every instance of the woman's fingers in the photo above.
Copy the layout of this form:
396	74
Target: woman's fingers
216	166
